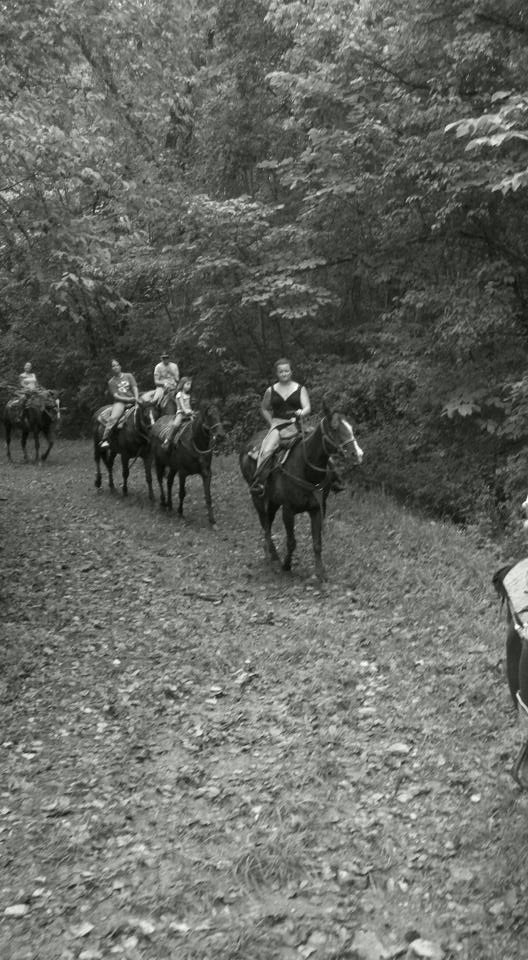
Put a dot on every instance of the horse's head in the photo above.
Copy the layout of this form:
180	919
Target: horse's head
338	434
211	422
147	411
45	402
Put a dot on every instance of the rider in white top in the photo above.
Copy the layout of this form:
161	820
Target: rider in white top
27	379
166	377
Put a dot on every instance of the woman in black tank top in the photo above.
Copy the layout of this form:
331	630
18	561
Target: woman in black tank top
282	406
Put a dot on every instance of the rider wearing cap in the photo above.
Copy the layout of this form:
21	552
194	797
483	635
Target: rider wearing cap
166	377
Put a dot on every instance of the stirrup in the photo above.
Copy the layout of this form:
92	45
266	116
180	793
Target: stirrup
258	488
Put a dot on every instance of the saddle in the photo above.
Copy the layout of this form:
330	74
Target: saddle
103	415
39	400
281	454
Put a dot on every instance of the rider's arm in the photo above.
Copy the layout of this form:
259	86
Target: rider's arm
134	388
265	407
305	409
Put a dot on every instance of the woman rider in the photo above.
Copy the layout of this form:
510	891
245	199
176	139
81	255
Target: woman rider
122	387
283	404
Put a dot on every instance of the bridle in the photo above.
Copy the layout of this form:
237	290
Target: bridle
210	429
330	446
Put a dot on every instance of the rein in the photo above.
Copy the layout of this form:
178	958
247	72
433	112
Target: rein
210	430
317	489
326	438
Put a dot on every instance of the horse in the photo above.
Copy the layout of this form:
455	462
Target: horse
129	440
511	584
300	483
39	413
190	452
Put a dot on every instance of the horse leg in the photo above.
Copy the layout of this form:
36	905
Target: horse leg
147	464
160	471
125	470
23	443
206	479
316	520
182	477
513	659
108	458
97	458
288	518
49	439
266	514
37	445
8	439
170	481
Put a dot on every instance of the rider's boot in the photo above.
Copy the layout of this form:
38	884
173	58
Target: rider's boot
105	439
258	484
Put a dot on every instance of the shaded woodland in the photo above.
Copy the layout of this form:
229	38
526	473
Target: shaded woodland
341	182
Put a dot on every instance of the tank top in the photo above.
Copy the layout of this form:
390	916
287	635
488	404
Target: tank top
283	409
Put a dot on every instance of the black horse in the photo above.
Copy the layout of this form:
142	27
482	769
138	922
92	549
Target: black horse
37	414
190	452
511	584
300	484
130	441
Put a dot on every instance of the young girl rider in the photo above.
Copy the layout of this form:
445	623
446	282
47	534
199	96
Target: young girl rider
183	409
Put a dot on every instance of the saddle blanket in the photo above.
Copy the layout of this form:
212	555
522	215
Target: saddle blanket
164	430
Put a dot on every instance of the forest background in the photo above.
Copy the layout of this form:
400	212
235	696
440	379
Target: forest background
341	182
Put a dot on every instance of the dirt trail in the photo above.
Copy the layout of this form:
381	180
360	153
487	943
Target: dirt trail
200	758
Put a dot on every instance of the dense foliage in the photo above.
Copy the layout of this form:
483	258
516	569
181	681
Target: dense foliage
340	181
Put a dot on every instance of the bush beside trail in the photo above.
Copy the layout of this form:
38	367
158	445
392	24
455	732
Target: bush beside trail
201	758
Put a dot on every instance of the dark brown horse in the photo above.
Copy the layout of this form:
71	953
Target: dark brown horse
300	484
511	584
38	413
190	452
129	441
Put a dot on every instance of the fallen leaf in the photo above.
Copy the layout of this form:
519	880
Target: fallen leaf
367	946
82	930
17	910
426	949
